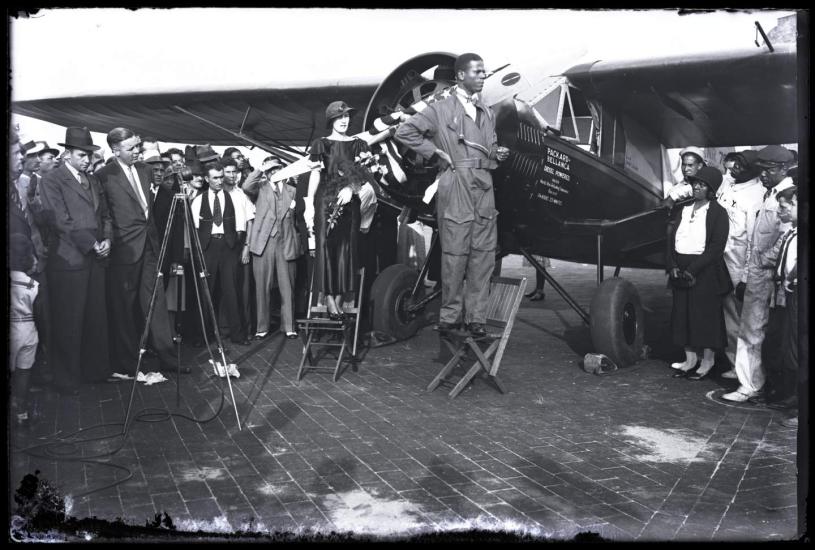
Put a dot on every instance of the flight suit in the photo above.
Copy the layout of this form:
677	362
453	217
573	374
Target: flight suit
758	294
465	204
742	202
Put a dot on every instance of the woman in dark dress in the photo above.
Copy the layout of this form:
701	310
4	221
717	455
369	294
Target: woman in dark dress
334	192
699	277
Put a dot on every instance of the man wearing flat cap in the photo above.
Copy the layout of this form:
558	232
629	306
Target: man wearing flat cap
77	264
741	194
459	133
774	161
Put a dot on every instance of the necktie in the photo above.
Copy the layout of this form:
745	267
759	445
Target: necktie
276	189
767	194
83	181
135	186
781	270
217	218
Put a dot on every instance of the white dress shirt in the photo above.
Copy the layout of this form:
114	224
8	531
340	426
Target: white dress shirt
129	169
244	209
74	171
692	230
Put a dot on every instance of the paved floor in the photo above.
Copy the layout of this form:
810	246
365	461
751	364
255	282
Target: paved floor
635	455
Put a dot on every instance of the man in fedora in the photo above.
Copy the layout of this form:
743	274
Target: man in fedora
134	257
775	163
78	255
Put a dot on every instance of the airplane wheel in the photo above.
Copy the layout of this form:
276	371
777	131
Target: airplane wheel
617	321
390	296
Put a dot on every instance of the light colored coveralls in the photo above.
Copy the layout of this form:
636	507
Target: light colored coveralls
742	202
466	203
760	287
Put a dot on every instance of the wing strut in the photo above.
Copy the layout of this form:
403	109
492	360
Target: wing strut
282	151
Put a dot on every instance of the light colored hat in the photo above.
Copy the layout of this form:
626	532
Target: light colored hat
695	151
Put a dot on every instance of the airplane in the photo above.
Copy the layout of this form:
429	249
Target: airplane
584	180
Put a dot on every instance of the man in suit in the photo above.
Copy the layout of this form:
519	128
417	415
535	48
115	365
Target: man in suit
274	221
222	225
78	256
133	257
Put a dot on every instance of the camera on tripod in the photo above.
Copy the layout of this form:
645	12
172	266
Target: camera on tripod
178	177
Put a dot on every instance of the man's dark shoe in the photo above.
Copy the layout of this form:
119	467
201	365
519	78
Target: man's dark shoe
446	328
476	330
790	402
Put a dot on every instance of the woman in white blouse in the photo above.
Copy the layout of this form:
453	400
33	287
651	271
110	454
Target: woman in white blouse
698	275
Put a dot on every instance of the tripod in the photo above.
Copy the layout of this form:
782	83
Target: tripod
199	271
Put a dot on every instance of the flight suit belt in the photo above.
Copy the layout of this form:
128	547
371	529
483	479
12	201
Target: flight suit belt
486	164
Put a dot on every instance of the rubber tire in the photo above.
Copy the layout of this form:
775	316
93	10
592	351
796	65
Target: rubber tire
392	284
615	300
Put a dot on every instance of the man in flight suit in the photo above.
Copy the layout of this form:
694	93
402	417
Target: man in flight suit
741	194
775	162
459	133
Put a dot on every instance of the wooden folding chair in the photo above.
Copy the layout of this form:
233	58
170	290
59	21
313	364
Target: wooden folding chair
317	330
505	299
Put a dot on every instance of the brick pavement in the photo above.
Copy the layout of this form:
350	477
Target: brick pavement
636	455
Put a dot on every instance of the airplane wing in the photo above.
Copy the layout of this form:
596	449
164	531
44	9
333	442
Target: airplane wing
727	98
269	118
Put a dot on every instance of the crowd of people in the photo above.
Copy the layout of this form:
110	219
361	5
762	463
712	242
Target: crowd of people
86	237
86	234
732	265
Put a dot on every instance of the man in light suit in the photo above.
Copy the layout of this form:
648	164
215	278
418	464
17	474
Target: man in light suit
80	244
274	221
133	257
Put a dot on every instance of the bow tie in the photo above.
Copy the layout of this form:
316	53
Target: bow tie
468	98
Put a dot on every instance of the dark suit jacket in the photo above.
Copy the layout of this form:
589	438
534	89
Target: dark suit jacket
717	229
80	218
131	230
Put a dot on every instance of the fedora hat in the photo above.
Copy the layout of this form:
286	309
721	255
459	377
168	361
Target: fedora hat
154	157
336	109
47	149
33	148
205	153
79	138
